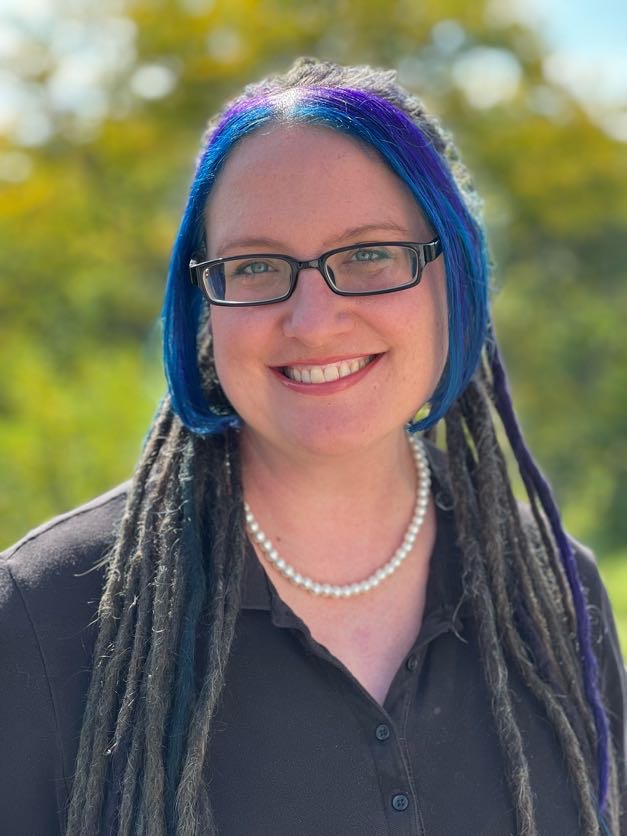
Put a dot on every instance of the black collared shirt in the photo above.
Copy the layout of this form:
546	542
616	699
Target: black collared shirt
299	747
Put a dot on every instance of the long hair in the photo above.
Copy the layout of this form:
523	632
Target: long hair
168	611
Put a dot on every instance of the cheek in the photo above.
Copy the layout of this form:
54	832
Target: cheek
239	341
429	313
224	340
439	308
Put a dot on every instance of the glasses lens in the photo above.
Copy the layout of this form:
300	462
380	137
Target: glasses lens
246	280
374	267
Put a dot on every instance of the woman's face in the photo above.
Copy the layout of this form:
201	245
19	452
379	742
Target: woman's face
300	191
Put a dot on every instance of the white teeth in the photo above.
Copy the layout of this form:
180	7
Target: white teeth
326	374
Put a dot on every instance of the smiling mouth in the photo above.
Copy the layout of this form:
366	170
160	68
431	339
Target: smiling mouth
327	373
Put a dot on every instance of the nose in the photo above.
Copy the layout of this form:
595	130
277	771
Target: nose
315	315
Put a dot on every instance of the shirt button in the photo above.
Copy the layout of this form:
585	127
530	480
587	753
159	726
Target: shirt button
411	663
382	732
400	802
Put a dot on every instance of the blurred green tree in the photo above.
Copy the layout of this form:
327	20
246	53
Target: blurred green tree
87	227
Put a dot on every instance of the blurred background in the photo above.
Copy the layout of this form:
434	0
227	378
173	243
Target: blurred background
102	105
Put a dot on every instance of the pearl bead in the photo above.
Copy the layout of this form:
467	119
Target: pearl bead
423	491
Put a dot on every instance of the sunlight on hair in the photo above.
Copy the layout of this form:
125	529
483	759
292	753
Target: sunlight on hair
286	101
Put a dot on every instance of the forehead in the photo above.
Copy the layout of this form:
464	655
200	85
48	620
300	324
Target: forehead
284	141
306	183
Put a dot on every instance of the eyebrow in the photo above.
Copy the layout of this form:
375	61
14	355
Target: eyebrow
353	233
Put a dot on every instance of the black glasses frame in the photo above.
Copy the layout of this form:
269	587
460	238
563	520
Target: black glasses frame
426	253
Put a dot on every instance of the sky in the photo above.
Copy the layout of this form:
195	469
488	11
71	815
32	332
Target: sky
588	40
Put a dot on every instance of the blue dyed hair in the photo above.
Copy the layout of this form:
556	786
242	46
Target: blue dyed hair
416	150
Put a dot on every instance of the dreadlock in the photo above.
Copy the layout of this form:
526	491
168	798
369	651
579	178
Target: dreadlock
171	599
523	607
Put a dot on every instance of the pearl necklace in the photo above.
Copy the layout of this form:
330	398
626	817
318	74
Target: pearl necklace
328	590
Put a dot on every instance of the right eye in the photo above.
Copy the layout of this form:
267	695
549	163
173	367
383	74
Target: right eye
252	268
369	255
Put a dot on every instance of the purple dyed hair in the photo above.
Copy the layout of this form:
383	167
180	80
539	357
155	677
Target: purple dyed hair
536	485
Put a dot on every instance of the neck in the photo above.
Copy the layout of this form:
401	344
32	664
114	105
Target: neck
358	477
335	516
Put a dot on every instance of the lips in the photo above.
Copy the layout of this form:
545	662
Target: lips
328	372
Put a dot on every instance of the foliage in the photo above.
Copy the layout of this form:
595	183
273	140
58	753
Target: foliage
85	237
614	573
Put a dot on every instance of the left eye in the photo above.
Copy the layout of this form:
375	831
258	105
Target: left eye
369	255
253	268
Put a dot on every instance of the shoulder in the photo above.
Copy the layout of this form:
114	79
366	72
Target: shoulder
56	569
51	580
599	607
69	538
606	646
602	622
50	585
54	575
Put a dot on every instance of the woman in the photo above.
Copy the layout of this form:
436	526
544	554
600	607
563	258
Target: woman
310	621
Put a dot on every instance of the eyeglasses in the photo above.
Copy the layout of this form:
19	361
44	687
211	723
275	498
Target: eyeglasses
359	270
